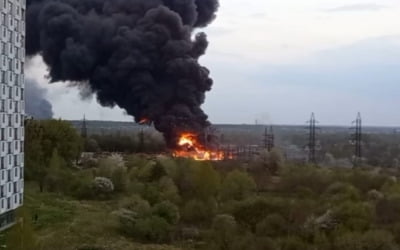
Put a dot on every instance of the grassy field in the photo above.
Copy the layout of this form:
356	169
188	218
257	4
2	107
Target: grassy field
63	223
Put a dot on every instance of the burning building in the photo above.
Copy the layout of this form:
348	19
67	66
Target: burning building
140	55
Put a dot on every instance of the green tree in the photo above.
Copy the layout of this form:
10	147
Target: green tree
206	180
42	137
224	229
237	185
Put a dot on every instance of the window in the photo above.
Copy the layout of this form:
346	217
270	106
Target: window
2	107
2	195
16	171
15	190
3	137
8	203
9	152
9	176
2	163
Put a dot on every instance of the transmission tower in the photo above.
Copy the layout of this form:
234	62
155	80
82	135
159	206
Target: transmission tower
84	128
269	139
356	139
312	140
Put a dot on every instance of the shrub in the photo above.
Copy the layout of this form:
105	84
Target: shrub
102	187
292	243
340	191
167	211
119	178
224	229
388	210
250	211
273	225
237	185
355	216
153	229
198	211
306	177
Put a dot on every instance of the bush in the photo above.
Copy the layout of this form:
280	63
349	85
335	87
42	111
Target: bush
152	229
355	216
250	211
293	243
340	191
388	210
102	187
237	185
306	177
273	225
224	229
198	211
371	240
167	211
119	178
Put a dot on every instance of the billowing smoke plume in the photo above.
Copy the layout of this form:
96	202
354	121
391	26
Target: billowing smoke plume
35	98
141	55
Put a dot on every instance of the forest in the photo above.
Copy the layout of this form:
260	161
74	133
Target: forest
138	200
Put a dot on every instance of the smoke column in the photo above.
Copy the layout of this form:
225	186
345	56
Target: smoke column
36	104
141	55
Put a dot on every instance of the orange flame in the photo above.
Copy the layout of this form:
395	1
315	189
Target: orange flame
189	147
144	121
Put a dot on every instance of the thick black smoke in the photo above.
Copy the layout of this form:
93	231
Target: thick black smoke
141	55
37	105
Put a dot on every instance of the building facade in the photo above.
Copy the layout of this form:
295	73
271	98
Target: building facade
12	108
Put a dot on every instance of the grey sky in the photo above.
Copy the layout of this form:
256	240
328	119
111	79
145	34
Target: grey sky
279	60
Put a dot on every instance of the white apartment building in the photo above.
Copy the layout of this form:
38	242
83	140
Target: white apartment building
12	108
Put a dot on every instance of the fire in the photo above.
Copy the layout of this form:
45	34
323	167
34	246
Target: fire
144	121
189	147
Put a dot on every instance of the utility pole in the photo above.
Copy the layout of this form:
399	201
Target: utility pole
269	139
356	138
312	140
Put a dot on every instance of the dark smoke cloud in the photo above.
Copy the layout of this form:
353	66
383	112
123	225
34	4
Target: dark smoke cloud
36	104
141	55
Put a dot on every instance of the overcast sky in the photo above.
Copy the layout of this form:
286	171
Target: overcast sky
279	60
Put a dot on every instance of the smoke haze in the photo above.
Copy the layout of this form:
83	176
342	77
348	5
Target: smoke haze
141	55
37	105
